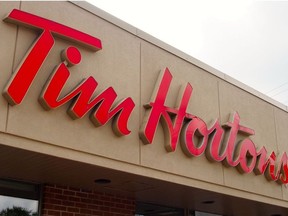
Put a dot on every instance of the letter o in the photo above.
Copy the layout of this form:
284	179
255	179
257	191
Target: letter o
194	137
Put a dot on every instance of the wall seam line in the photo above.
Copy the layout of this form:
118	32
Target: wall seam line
219	114
13	64
140	99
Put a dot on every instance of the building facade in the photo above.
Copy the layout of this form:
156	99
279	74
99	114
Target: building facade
99	118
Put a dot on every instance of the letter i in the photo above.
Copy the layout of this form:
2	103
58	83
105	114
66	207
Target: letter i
51	92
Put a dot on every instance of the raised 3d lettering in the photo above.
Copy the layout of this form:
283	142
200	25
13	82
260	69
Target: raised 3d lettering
23	77
219	143
82	97
196	138
160	111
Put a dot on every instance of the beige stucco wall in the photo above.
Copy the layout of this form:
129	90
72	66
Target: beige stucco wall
130	62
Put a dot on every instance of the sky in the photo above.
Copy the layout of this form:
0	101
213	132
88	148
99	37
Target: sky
9	202
246	39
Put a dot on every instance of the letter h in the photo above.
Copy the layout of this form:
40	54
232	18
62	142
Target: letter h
171	119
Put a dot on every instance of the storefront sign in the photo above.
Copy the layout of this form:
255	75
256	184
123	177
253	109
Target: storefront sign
81	96
196	138
219	143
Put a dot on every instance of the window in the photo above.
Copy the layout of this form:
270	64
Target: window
18	198
149	209
145	209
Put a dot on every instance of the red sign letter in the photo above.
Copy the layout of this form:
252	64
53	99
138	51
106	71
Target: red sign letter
160	111
24	75
82	96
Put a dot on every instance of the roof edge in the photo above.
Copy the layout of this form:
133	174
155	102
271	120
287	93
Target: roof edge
151	39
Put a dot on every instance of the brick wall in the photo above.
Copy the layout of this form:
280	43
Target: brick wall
67	201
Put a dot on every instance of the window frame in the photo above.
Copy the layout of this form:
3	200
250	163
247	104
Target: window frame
21	189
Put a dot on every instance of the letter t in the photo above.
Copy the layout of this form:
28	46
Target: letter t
25	73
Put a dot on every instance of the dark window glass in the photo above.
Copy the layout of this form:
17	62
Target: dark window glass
18	198
145	209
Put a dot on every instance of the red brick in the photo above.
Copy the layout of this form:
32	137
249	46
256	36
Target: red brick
56	190
54	213
69	192
74	198
91	206
86	191
98	213
67	214
59	207
70	201
85	211
60	196
81	194
53	201
74	189
72	209
81	205
104	208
